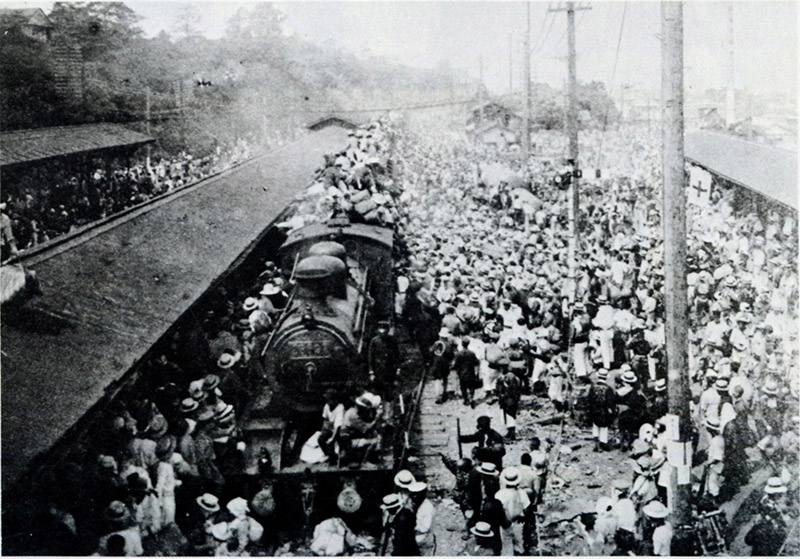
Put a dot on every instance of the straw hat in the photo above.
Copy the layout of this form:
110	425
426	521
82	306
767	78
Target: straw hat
391	502
510	477
188	405
250	304
269	289
655	509
775	485
661	385
417	487
208	502
482	530
228	360
770	388
117	513
712	423
629	377
403	479
487	468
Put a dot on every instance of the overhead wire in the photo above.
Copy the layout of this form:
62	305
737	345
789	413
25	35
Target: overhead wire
611	86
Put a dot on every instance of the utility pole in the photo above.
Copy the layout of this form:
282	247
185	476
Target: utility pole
147	121
730	90
479	122
674	223
572	134
510	63
526	76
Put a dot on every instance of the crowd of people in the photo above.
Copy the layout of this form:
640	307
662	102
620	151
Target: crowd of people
47	201
484	284
489	294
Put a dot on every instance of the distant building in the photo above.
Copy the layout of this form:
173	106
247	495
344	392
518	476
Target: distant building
63	54
709	117
493	123
31	22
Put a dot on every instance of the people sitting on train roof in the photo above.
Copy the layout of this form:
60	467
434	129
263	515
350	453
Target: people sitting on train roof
360	435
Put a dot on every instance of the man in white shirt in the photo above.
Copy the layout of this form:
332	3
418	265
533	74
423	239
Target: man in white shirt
662	535
604	321
332	418
623	507
425	512
515	501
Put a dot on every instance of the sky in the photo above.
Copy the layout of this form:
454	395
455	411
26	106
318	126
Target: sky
462	34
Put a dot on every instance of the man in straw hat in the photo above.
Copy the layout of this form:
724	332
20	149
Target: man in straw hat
657	534
631	407
398	537
483	546
359	438
602	409
441	354
767	535
515	503
120	523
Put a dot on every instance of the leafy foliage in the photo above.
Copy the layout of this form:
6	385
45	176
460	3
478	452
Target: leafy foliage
202	91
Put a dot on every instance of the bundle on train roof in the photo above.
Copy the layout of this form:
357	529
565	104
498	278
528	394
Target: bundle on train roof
355	182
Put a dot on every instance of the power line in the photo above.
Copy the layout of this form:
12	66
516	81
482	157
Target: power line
564	33
546	35
611	84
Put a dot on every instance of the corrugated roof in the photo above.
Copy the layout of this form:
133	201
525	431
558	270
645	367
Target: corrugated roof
108	299
768	170
22	146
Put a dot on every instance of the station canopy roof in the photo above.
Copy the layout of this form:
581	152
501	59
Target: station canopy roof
37	144
110	293
765	169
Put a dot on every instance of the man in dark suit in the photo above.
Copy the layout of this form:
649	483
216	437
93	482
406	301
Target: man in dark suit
490	443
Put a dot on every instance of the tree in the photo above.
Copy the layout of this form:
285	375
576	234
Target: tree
100	28
187	22
27	91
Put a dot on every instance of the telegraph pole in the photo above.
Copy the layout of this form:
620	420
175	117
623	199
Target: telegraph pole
572	133
510	63
147	121
479	122
674	223
730	90
526	76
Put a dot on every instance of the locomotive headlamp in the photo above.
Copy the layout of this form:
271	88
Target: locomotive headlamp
308	317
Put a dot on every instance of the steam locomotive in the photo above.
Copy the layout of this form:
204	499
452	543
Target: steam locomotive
344	285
